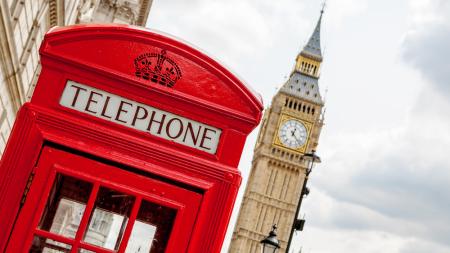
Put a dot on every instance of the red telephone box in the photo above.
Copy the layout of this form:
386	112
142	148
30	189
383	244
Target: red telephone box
130	144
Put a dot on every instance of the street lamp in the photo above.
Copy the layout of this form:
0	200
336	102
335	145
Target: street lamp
311	158
298	224
270	244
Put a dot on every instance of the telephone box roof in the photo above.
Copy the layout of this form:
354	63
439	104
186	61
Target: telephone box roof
116	48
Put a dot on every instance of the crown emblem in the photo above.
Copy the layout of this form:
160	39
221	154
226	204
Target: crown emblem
157	68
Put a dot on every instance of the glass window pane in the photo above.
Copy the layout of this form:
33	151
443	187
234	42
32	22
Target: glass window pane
85	251
65	206
44	245
109	219
151	229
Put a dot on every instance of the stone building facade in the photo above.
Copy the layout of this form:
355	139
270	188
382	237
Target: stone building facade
290	129
23	24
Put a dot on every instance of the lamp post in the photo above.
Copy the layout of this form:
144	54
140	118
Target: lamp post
270	244
298	224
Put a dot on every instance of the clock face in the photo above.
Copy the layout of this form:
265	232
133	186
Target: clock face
293	134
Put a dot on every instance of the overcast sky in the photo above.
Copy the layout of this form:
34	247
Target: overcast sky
384	181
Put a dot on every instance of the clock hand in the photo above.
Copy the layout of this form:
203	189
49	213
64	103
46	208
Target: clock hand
293	132
298	136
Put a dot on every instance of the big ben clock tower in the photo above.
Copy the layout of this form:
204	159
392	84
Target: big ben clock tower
290	128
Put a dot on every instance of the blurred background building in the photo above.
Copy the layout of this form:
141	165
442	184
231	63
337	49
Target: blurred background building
23	24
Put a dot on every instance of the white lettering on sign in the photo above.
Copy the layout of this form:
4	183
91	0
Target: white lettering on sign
139	116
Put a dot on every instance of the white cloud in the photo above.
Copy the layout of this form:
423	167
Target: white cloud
332	240
232	29
365	241
429	11
394	182
339	11
426	44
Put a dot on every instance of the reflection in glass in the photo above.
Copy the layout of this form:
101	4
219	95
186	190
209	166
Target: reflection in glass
65	206
109	219
44	245
151	229
141	238
67	218
85	251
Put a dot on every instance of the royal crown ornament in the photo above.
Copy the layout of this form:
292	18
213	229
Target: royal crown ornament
158	68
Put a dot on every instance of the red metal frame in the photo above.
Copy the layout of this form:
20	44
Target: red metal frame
53	162
102	57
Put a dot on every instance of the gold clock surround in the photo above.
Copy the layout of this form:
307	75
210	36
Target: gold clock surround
276	139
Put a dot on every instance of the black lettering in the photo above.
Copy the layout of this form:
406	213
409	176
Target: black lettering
91	100
137	113
206	137
105	106
159	122
190	129
120	110
180	131
76	94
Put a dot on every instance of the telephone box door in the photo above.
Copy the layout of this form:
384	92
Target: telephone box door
80	204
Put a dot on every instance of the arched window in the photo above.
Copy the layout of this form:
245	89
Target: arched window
295	106
290	104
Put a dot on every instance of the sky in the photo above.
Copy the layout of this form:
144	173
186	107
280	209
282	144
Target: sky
384	181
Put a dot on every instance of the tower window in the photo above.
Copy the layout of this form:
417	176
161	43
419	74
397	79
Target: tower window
299	90
295	105
308	110
286	102
307	93
304	84
290	104
313	110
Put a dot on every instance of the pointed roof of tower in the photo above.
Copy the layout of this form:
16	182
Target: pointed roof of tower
312	48
305	86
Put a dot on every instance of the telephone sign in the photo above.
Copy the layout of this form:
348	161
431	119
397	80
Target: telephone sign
130	143
140	116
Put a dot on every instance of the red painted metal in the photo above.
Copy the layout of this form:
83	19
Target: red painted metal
55	161
49	138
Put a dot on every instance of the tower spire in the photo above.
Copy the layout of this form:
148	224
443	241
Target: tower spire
312	48
303	81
